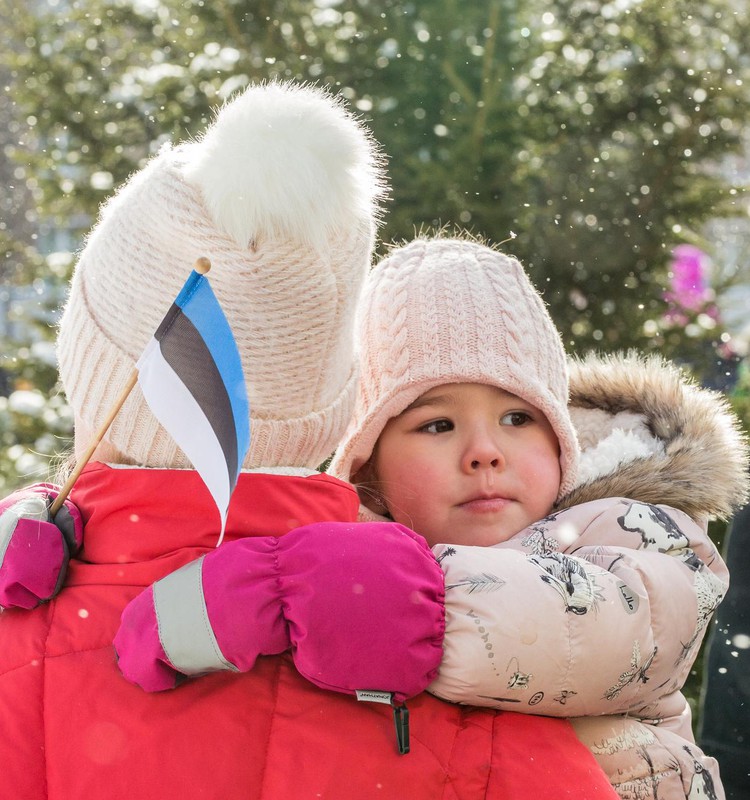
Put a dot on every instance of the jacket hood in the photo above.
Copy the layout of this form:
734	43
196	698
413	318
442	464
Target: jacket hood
650	433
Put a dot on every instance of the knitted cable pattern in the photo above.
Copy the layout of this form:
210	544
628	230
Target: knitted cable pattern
290	303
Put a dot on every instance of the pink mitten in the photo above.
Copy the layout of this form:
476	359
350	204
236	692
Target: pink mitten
360	604
365	607
34	550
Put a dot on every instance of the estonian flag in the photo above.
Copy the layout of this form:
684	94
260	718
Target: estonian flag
191	377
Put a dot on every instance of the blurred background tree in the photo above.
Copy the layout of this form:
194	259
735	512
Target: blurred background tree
597	136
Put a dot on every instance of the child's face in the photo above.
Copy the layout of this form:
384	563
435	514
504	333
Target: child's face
467	463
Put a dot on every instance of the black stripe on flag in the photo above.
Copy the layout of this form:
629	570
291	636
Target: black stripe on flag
185	351
169	318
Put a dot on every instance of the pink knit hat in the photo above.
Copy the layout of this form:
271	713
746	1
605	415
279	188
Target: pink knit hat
453	311
281	194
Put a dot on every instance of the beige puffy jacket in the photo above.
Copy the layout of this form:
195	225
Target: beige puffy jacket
597	612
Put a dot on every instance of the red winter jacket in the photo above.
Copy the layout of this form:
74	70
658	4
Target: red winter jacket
72	728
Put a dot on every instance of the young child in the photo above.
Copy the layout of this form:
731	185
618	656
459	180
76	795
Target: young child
462	432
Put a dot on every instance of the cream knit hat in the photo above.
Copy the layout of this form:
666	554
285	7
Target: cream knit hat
281	194
453	311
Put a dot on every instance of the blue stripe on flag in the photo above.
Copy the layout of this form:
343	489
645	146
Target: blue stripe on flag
200	306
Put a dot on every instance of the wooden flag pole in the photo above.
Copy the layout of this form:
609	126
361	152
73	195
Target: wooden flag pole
202	266
84	459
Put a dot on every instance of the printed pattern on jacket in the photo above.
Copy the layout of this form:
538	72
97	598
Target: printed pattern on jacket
624	652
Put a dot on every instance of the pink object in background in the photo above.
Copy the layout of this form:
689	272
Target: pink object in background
689	285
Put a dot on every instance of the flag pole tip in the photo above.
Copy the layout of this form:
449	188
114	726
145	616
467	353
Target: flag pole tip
202	265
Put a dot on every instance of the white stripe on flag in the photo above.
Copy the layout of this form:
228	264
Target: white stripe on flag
177	410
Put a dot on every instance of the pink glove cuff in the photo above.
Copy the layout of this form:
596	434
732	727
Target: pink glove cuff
243	600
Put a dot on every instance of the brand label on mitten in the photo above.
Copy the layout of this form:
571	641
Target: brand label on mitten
370	696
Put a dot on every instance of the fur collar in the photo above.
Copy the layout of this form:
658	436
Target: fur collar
649	433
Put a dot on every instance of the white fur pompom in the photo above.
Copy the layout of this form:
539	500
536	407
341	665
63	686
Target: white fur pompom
284	160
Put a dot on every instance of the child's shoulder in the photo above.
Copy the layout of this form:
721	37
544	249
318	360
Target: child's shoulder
616	522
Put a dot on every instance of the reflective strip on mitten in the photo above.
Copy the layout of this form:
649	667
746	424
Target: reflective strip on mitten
32	509
185	632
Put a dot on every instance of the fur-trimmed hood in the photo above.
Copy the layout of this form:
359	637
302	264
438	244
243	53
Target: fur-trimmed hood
649	433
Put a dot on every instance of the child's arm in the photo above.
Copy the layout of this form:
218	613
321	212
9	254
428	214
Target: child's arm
34	549
581	614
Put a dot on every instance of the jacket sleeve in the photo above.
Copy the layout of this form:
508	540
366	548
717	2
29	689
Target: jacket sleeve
599	609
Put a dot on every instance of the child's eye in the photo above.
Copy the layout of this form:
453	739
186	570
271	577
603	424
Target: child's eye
516	418
437	426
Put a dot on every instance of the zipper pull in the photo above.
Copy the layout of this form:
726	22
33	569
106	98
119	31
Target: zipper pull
400	714
401	718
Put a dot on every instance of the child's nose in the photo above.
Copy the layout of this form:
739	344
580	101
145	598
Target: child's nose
482	453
